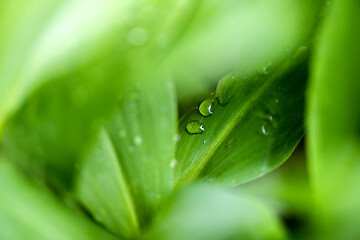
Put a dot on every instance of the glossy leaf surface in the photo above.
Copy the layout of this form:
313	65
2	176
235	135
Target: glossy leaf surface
257	118
257	122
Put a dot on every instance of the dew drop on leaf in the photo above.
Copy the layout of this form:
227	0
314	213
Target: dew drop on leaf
173	163
122	133
195	127
138	140
264	70
162	41
205	107
229	143
137	36
264	130
176	138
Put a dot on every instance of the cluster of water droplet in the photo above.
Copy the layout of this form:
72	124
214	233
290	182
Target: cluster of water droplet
205	109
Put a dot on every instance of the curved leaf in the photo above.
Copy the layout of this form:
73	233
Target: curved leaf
103	189
248	34
204	212
134	169
51	129
42	39
257	118
46	137
257	122
334	135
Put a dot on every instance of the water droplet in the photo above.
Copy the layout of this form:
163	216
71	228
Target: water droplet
176	138
264	130
205	107
223	90
264	70
102	211
302	48
173	163
138	140
162	41
204	141
137	36
224	100
122	133
229	143
195	127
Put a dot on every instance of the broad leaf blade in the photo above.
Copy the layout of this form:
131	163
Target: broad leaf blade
103	189
248	34
204	212
28	211
258	109
55	123
42	39
257	122
46	137
140	136
334	114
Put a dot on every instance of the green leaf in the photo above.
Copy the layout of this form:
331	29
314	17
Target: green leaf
262	123
43	39
130	163
50	130
103	189
334	129
248	34
256	123
47	135
29	211
204	212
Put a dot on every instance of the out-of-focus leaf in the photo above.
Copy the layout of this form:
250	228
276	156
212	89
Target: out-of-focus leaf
204	212
287	190
42	39
28	211
223	34
334	129
103	189
256	123
47	134
129	172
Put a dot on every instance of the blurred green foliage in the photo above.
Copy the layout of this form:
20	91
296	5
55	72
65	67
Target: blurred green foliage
157	119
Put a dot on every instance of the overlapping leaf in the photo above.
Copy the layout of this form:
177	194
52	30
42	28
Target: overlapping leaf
334	139
129	172
247	34
58	120
255	119
41	39
202	212
28	211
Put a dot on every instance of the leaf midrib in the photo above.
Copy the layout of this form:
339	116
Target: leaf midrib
231	125
114	160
